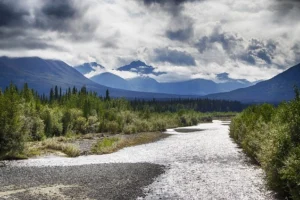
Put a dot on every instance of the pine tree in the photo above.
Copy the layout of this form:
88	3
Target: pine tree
83	90
107	97
56	92
74	90
11	138
51	95
60	93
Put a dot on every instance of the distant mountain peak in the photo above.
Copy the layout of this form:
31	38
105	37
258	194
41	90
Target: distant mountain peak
94	64
138	62
86	68
140	67
223	76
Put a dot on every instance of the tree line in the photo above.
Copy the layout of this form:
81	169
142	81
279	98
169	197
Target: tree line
26	115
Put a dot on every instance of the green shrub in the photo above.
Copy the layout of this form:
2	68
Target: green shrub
92	124
129	129
80	125
112	127
159	126
106	145
141	126
272	137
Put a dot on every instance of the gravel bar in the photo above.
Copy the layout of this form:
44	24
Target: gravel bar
96	181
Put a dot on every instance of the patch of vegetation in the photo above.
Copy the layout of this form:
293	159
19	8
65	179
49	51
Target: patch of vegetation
112	144
271	136
106	145
68	149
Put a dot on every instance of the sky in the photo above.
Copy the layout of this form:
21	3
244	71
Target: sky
187	39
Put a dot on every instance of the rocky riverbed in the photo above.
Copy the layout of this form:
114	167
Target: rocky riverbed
203	163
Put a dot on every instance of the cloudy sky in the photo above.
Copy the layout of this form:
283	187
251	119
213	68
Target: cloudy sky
254	39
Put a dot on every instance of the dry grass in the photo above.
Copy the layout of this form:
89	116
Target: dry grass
104	145
69	149
51	145
113	144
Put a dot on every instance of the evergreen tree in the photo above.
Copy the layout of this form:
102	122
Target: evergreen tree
11	138
60	93
56	92
83	90
51	95
107	97
74	90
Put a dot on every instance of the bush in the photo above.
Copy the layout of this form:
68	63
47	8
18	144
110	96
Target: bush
80	125
112	127
92	124
141	126
129	129
106	145
159	126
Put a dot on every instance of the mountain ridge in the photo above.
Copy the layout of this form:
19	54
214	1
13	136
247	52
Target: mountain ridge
277	89
43	74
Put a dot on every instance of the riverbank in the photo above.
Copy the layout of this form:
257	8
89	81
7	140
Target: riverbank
88	144
100	181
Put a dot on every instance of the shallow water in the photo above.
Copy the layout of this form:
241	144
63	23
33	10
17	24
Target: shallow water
199	165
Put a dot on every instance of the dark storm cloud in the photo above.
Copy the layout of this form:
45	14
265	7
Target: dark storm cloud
181	28
57	15
234	46
27	44
286	10
262	50
22	24
228	41
174	57
59	9
172	6
53	14
176	2
181	34
247	58
11	14
296	50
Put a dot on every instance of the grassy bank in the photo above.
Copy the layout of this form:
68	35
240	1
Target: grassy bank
115	143
271	136
99	144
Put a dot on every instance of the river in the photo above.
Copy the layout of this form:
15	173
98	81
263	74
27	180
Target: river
203	164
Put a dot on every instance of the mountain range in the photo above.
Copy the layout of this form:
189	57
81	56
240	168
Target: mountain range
43	74
144	83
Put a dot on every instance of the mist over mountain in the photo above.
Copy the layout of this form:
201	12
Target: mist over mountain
142	82
140	68
86	68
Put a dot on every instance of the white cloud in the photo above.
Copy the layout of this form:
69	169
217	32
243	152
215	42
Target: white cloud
116	32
